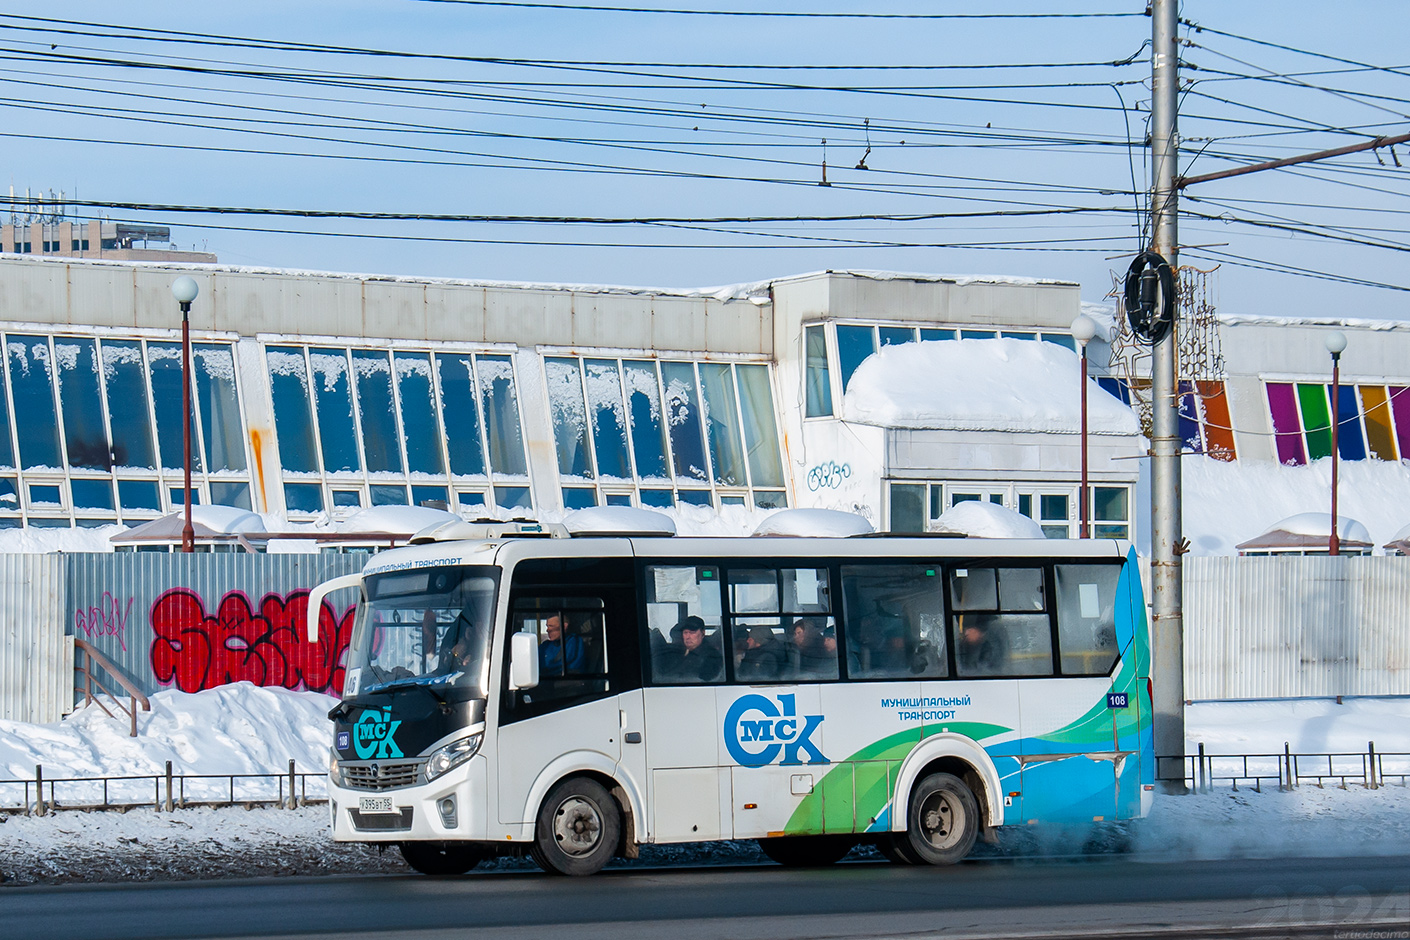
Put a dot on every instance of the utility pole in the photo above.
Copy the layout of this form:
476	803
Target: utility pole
1167	626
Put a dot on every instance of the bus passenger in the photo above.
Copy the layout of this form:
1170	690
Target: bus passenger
763	658
810	655
979	652
697	660
559	655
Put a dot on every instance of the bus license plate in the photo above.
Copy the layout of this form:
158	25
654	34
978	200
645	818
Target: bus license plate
375	804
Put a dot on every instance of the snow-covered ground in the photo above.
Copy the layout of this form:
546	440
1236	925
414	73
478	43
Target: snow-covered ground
245	729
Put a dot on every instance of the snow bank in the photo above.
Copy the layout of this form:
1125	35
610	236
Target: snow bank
986	520
32	540
980	385
1228	503
232	729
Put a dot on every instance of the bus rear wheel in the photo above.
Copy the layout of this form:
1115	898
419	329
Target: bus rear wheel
579	826
442	858
943	821
806	851
895	847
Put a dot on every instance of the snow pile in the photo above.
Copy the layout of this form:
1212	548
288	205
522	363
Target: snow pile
1308	822
1229	503
1319	525
984	520
232	729
980	385
814	523
36	541
227	519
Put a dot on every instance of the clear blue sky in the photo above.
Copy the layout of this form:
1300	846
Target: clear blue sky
646	137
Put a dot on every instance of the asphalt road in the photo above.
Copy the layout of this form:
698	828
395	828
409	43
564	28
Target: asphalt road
1111	897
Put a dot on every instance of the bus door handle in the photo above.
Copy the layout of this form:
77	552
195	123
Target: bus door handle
633	737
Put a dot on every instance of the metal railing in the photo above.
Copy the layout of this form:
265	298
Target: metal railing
166	791
1286	770
135	696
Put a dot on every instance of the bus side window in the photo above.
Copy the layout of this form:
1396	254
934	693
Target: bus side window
1086	609
895	619
683	619
998	627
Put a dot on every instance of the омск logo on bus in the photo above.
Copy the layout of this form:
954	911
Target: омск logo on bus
372	735
757	731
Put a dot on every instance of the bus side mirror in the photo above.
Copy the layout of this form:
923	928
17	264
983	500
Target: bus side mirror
523	661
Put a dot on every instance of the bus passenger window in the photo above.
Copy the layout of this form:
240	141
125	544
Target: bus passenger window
1086	609
895	618
993	633
781	628
683	620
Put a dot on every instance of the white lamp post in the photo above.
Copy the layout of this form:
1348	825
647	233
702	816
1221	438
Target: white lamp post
1336	342
1083	329
185	289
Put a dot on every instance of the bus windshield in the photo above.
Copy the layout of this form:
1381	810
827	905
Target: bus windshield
428	627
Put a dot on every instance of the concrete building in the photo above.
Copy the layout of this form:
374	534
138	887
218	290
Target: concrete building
324	393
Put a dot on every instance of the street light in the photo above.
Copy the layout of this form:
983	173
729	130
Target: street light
1083	329
1336	342
185	289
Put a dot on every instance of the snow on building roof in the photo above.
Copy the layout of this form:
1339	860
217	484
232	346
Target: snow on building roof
1309	530
399	520
984	520
757	291
980	385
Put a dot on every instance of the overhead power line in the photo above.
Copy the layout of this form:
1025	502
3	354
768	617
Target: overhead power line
794	14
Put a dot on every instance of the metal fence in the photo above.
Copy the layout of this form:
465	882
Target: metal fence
1286	770
166	791
36	659
1296	626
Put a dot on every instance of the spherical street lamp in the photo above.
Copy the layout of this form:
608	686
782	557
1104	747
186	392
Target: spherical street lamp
185	289
1336	343
1083	329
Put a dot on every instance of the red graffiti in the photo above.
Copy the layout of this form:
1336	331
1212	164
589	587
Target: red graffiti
266	645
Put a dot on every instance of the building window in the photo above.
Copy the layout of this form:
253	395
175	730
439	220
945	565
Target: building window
396	422
673	432
817	381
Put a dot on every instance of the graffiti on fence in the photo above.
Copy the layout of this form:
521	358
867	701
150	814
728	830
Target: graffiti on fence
263	643
108	618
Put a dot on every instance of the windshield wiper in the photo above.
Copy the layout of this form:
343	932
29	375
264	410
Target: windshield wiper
425	683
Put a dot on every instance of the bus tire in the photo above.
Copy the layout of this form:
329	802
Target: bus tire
895	847
579	826
806	851
442	858
943	820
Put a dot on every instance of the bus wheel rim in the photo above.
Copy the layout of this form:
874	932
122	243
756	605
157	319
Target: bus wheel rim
577	826
942	820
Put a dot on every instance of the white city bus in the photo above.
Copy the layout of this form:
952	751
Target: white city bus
574	698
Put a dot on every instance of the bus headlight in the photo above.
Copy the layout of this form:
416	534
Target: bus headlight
452	755
335	771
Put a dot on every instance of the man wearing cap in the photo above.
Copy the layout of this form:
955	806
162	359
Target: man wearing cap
699	660
764	656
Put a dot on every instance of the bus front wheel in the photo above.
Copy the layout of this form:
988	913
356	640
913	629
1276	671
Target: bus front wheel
442	858
578	828
943	821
